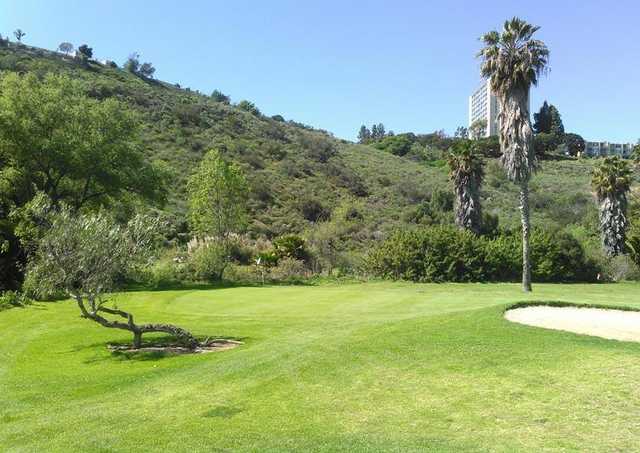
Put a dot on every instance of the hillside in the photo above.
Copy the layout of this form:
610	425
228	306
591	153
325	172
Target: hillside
299	175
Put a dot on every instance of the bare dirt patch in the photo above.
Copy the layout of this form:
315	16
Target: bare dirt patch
175	349
605	323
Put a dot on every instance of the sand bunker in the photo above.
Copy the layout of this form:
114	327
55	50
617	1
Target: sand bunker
611	324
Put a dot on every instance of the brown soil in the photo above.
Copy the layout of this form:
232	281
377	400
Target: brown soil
173	349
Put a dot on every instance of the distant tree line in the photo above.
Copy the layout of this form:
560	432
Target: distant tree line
377	132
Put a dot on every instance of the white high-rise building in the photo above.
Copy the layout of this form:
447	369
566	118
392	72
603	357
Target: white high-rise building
601	149
483	106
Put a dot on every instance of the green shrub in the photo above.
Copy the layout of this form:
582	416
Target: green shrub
208	261
447	254
291	246
289	270
250	107
167	273
435	254
10	299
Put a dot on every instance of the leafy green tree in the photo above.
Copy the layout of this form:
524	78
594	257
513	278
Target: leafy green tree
65	47
545	144
364	135
381	131
466	172
84	54
132	64
512	61
635	153
575	144
461	132
249	106
57	140
557	128
76	150
374	132
218	96
85	256
218	194
146	70
398	145
478	129
19	34
611	180
542	120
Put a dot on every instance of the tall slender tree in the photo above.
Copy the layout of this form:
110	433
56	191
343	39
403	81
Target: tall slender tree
542	119
364	135
19	34
466	172
611	180
557	127
513	61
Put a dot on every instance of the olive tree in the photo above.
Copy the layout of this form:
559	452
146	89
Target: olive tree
85	256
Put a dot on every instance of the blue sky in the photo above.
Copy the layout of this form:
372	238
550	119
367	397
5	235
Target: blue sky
339	64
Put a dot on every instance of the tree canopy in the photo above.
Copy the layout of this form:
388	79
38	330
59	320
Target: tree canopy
55	139
218	194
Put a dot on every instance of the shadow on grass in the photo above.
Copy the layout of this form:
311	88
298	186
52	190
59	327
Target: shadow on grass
222	412
157	342
212	286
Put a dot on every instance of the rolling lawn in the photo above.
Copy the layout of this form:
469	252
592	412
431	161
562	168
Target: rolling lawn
358	367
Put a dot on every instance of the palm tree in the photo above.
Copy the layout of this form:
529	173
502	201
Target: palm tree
466	172
611	180
513	61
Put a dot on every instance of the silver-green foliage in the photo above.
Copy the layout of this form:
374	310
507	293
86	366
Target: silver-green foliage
86	256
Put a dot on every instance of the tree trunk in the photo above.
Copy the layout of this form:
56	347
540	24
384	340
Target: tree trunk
137	339
183	336
526	259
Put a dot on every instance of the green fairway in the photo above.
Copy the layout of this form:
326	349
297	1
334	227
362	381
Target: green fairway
361	367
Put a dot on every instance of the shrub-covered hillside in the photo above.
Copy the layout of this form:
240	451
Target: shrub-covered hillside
298	175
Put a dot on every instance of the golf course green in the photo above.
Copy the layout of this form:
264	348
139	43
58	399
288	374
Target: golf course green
358	367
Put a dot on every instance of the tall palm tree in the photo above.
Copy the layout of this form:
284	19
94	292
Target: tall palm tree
466	172
513	61
611	180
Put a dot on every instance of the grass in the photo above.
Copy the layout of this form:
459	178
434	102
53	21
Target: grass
358	367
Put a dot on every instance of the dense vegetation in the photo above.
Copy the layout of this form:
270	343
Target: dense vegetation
336	199
441	254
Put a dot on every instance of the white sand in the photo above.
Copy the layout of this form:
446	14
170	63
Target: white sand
612	324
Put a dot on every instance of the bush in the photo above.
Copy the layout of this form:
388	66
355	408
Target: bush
167	273
619	268
447	254
250	107
208	261
291	246
10	299
435	254
313	210
289	270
